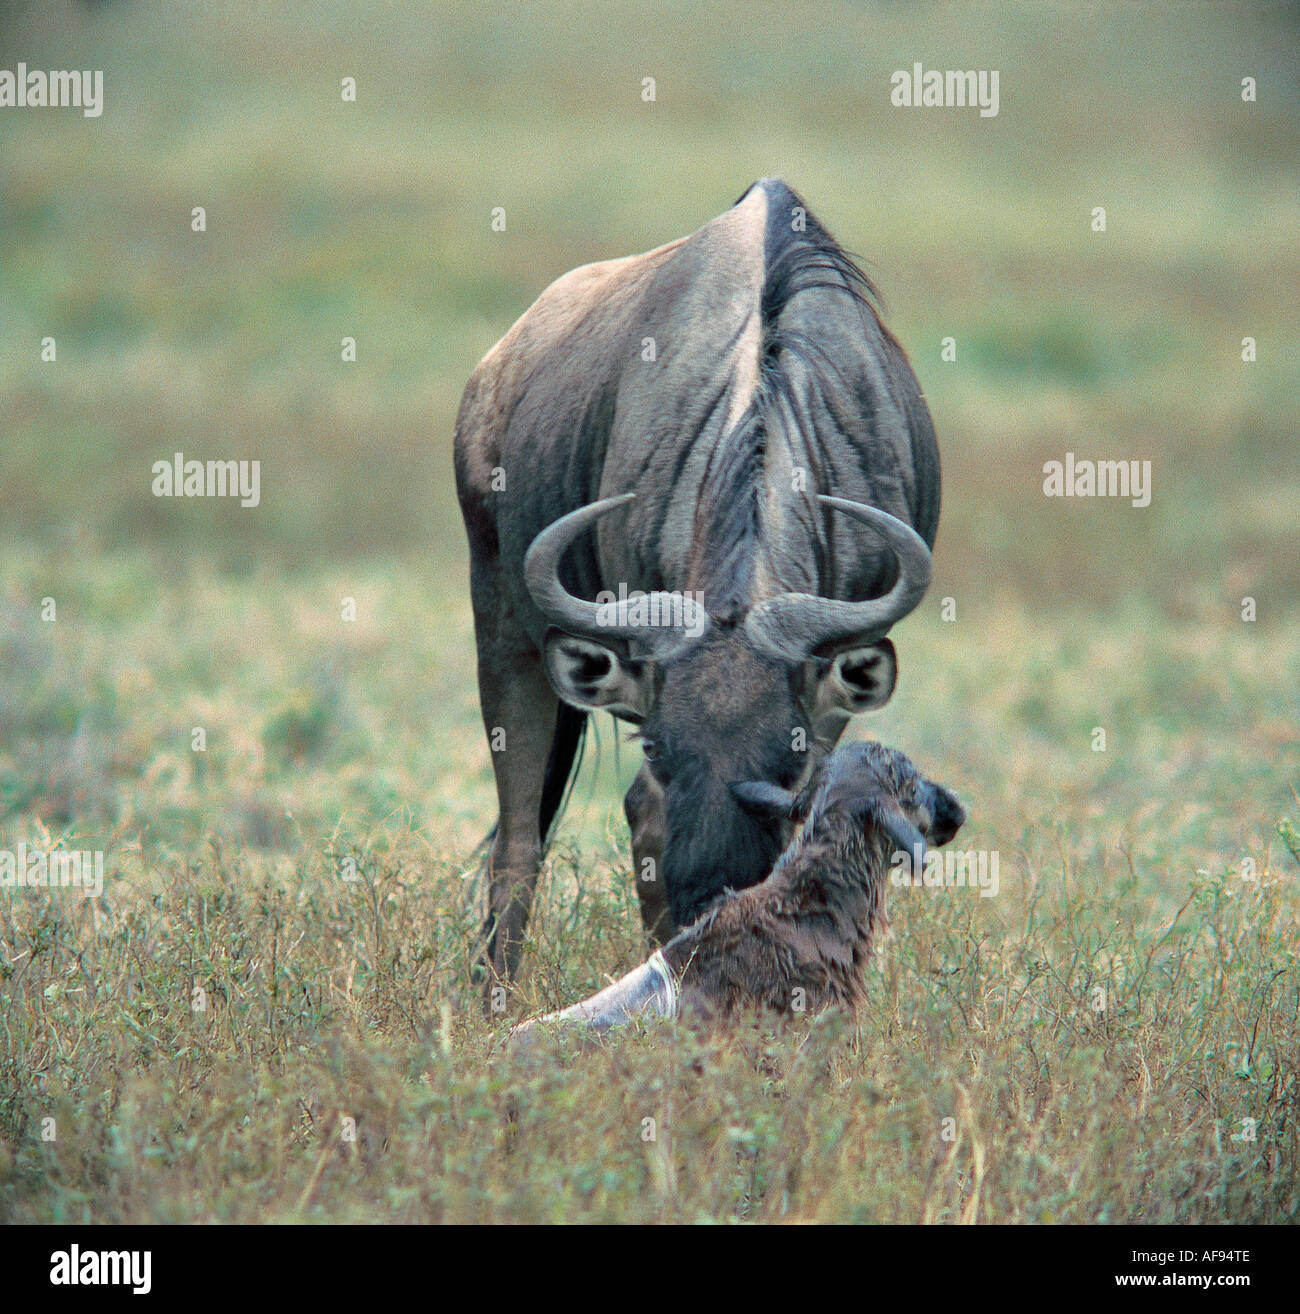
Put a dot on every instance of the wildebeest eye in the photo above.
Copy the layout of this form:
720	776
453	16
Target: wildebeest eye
650	749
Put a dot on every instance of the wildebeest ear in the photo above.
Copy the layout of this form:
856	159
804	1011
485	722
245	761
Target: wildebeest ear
855	680
594	677
949	815
766	799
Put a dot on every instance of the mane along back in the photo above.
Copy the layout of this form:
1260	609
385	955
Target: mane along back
799	257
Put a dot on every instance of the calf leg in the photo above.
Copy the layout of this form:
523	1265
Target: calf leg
644	808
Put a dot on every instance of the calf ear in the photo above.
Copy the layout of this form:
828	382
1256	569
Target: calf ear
949	815
594	677
903	835
765	799
855	680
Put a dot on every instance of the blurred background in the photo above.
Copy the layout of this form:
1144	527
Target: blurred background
372	220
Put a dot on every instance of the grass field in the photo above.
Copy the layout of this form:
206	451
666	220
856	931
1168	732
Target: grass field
235	1032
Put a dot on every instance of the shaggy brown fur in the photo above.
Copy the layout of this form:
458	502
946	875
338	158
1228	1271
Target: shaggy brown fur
811	925
801	939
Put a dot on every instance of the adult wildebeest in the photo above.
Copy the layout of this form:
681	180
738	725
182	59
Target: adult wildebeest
724	417
800	940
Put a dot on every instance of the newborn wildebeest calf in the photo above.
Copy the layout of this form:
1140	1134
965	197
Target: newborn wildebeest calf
810	926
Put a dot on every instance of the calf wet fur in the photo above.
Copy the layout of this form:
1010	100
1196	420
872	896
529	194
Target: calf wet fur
811	925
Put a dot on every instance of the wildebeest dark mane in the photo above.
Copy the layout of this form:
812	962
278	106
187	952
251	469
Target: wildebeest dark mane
799	256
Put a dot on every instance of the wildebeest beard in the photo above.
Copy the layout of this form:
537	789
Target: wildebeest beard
713	844
725	714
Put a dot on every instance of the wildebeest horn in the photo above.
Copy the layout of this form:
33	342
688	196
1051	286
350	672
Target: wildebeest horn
576	615
792	625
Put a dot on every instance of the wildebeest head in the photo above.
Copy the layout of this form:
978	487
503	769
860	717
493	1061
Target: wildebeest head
760	697
872	782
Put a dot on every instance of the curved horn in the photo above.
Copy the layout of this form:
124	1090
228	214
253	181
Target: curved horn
792	625
591	619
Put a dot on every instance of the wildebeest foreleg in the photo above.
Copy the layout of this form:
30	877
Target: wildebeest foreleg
520	715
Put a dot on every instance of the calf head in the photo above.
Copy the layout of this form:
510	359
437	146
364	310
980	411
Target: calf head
876	786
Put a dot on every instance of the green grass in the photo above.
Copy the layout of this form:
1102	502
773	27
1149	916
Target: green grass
326	999
340	1066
